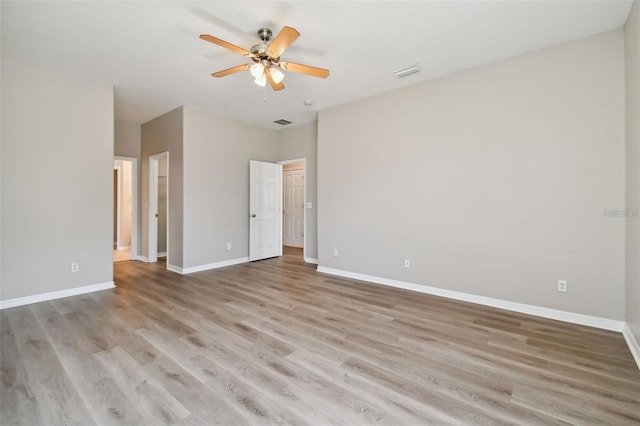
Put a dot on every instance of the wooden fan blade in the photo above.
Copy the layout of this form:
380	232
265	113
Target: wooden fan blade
233	70
305	69
219	42
283	40
275	86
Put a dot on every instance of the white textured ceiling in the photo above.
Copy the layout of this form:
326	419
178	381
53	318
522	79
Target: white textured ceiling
151	53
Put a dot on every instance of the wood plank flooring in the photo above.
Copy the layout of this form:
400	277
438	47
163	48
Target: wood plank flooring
275	342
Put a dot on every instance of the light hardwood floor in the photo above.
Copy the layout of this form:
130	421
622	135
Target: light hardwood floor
276	342
121	255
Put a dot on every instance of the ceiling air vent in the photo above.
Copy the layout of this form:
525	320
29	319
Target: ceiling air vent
282	122
406	71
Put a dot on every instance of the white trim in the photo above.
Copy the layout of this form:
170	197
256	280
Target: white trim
143	259
19	301
632	343
152	220
604	323
123	248
174	268
134	203
304	209
118	189
168	195
162	254
311	260
208	266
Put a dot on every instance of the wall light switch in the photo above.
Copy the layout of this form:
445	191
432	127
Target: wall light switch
309	205
228	246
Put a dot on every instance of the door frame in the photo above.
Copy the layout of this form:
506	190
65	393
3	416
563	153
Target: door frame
304	210
134	204
152	231
118	201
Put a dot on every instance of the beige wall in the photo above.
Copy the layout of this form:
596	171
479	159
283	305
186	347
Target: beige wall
302	142
491	181
127	139
164	134
57	181
214	166
217	151
632	61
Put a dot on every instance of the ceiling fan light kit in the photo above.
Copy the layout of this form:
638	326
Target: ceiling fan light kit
276	74
261	80
257	70
266	58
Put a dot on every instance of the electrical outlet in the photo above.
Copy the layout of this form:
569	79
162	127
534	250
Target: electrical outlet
562	286
335	252
228	246
407	263
75	267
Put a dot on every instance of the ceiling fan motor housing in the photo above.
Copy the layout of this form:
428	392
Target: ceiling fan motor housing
261	51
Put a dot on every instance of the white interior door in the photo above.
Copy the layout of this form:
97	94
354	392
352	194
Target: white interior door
265	210
293	205
152	247
158	167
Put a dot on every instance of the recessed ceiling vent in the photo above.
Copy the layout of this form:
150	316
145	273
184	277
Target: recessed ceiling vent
282	122
406	71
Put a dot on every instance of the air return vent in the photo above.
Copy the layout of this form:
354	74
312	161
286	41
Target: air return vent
406	71
282	122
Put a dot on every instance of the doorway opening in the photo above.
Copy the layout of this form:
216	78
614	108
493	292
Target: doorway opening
294	190
158	244
125	202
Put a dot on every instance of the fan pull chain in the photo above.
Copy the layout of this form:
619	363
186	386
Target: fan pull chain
264	99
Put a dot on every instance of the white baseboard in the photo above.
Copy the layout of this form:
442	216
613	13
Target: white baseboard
123	248
632	343
311	260
208	266
19	301
604	323
146	259
174	268
162	254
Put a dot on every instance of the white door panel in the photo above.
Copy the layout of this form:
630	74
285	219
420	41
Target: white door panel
293	216
265	202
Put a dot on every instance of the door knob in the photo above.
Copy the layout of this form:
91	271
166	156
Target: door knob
253	215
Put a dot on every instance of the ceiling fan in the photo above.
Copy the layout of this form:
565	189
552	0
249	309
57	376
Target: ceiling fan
265	56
